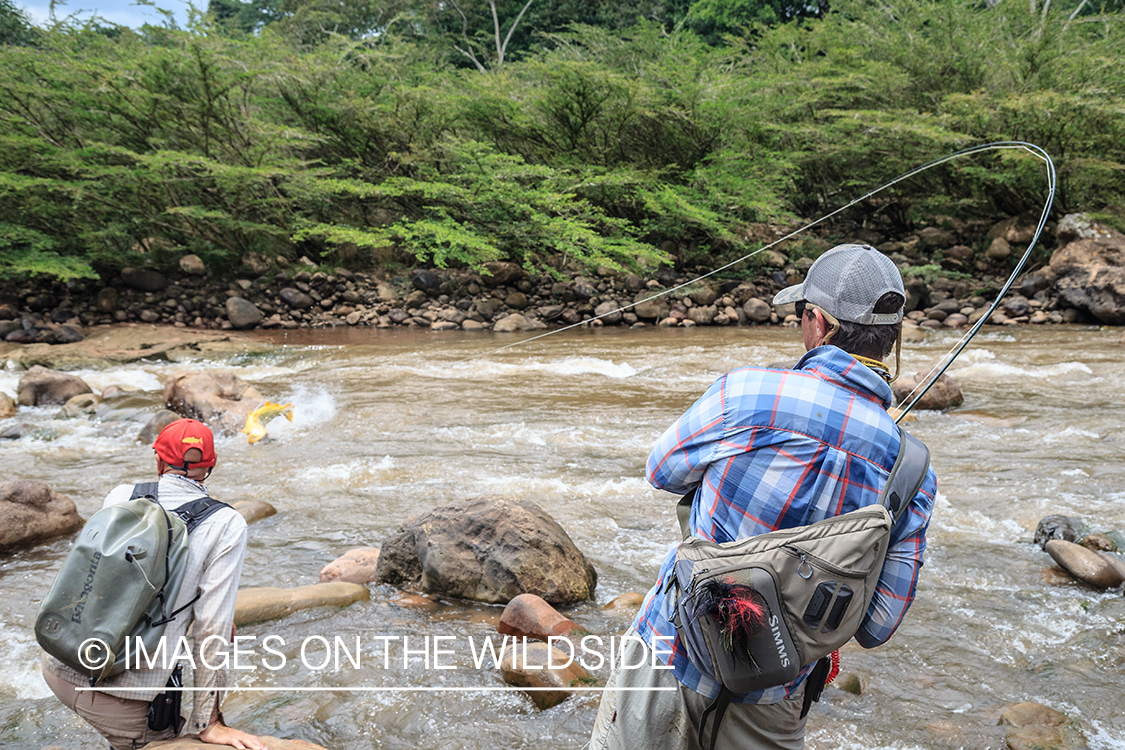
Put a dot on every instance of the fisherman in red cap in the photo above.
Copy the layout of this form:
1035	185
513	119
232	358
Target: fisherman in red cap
120	708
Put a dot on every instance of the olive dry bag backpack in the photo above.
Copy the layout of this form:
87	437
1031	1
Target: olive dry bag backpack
119	582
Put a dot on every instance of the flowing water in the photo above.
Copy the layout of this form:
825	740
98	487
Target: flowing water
389	424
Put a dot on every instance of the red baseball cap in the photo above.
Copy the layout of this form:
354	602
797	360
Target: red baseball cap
177	438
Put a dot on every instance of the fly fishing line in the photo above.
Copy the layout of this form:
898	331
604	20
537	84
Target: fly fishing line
946	360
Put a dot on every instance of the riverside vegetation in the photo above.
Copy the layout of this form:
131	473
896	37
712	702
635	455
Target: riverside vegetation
563	137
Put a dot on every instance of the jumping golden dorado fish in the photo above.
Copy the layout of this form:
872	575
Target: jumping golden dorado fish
255	428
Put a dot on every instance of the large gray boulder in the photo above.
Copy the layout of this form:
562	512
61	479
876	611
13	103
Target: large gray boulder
40	386
242	313
1090	268
31	512
221	400
488	549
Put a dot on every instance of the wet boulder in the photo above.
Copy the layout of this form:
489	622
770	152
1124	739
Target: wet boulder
40	386
254	510
1085	565
944	394
261	604
1033	726
489	549
528	616
221	400
537	665
1059	527
354	566
1090	268
31	512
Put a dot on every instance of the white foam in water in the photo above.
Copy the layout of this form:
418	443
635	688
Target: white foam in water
1011	371
19	672
310	409
565	366
1069	434
134	377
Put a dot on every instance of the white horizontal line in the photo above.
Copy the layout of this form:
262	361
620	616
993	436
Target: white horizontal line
361	689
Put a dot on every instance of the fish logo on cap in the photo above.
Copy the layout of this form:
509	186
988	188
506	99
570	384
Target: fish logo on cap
192	441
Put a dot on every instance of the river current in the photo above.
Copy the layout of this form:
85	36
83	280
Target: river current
392	423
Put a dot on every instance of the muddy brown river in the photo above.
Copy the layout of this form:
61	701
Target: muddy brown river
391	423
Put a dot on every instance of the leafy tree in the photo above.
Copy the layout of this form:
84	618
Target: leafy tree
15	26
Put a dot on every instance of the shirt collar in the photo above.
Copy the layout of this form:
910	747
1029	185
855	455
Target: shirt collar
190	483
837	366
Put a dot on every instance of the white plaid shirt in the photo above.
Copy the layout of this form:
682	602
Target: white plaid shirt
215	554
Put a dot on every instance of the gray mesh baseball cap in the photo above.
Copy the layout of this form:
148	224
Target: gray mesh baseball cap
846	282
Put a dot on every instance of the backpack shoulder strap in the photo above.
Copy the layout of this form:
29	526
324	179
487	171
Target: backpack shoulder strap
683	511
196	511
145	489
907	474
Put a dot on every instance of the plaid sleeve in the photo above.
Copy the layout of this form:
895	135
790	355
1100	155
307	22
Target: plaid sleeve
679	458
895	590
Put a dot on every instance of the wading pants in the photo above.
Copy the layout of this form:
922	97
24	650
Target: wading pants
668	719
123	722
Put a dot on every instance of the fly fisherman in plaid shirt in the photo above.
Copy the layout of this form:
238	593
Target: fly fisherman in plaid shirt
185	456
773	449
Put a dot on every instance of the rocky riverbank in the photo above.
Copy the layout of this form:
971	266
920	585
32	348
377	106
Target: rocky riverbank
949	285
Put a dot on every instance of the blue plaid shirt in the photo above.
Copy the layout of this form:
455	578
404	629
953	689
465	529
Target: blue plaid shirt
777	449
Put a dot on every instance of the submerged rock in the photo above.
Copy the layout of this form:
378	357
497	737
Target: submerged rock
489	549
261	604
1032	726
40	386
31	512
1085	565
537	665
354	566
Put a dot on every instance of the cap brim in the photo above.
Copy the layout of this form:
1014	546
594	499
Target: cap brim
794	293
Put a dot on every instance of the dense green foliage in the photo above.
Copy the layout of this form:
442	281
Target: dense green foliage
579	135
